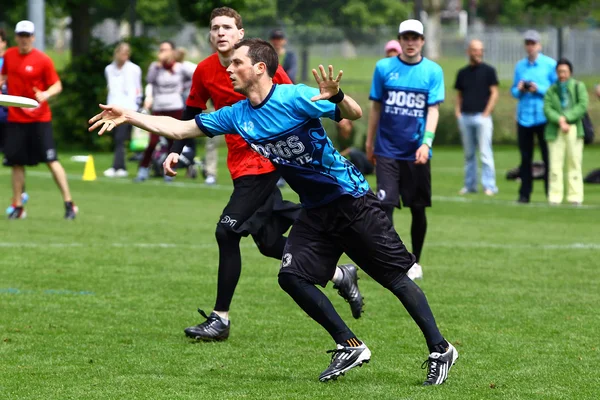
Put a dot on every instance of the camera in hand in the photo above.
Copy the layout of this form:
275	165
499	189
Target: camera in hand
527	85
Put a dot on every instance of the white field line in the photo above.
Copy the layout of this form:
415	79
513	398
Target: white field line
507	246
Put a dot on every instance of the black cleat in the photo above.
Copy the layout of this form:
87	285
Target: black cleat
345	358
71	211
438	365
212	329
348	289
17	213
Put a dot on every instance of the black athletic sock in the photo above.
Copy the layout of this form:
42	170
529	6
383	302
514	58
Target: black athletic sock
389	211
230	267
418	230
68	205
441	347
316	305
415	302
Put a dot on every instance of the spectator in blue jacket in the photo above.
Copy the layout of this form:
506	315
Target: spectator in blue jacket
533	76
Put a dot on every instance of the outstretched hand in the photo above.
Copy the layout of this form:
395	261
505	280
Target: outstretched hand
108	119
328	86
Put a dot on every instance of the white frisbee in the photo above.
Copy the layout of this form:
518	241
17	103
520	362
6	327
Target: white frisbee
7	100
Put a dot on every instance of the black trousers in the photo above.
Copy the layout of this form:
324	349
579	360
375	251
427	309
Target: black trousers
526	136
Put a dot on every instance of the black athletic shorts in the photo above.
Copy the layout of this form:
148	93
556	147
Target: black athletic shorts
28	143
403	179
356	226
257	208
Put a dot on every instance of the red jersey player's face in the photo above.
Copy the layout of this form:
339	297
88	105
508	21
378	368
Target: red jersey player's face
224	34
242	72
24	42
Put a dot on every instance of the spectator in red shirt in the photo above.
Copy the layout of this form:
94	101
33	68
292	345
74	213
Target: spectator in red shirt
29	72
256	206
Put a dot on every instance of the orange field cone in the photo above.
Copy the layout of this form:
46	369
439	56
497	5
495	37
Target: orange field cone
89	172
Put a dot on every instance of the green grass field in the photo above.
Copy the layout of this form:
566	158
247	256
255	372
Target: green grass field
95	308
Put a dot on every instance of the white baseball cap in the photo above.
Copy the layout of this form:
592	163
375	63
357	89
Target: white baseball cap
25	27
411	25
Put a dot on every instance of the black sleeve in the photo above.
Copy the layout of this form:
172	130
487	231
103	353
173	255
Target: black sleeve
493	77
188	114
458	82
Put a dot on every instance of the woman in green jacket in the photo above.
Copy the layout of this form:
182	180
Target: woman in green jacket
565	105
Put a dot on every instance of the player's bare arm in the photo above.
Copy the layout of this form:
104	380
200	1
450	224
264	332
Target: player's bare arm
171	128
372	125
433	115
330	88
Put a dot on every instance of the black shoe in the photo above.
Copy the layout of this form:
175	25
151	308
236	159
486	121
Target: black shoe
345	358
439	365
17	213
71	210
212	329
523	200
348	289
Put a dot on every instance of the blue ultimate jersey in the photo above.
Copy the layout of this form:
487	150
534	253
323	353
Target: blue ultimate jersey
404	91
287	130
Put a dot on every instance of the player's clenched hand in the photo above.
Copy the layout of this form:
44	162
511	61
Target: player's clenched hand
170	163
422	154
328	86
108	119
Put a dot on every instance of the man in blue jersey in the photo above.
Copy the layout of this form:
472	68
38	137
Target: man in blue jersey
406	92
340	214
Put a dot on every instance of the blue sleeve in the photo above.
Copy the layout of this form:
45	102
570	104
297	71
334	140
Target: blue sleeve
376	93
436	87
217	123
313	109
552	78
517	78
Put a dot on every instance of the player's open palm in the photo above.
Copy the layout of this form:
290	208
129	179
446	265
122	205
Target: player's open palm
111	117
328	86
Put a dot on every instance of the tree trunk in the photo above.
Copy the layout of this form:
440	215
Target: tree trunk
433	28
81	29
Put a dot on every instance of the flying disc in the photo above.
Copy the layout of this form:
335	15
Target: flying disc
7	100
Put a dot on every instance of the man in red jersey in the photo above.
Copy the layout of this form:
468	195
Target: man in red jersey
256	206
30	73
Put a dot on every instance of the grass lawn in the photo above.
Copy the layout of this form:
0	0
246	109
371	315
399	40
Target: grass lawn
95	308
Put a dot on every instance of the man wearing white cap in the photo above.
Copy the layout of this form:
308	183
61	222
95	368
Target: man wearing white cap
406	92
29	141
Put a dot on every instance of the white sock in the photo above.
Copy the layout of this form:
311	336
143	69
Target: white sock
338	276
224	315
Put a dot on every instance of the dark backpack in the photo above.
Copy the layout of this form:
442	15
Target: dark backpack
588	127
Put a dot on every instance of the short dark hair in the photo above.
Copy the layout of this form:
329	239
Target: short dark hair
2	35
564	61
261	51
226	12
169	42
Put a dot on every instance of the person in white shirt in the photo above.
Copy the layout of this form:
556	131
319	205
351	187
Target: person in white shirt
124	80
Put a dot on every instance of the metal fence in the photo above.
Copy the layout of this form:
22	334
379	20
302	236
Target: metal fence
503	45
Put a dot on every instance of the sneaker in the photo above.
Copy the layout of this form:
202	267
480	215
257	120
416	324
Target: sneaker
438	365
192	171
464	191
121	173
489	192
71	211
210	180
523	200
110	173
24	200
168	179
17	213
348	289
212	329
416	272
343	359
142	175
